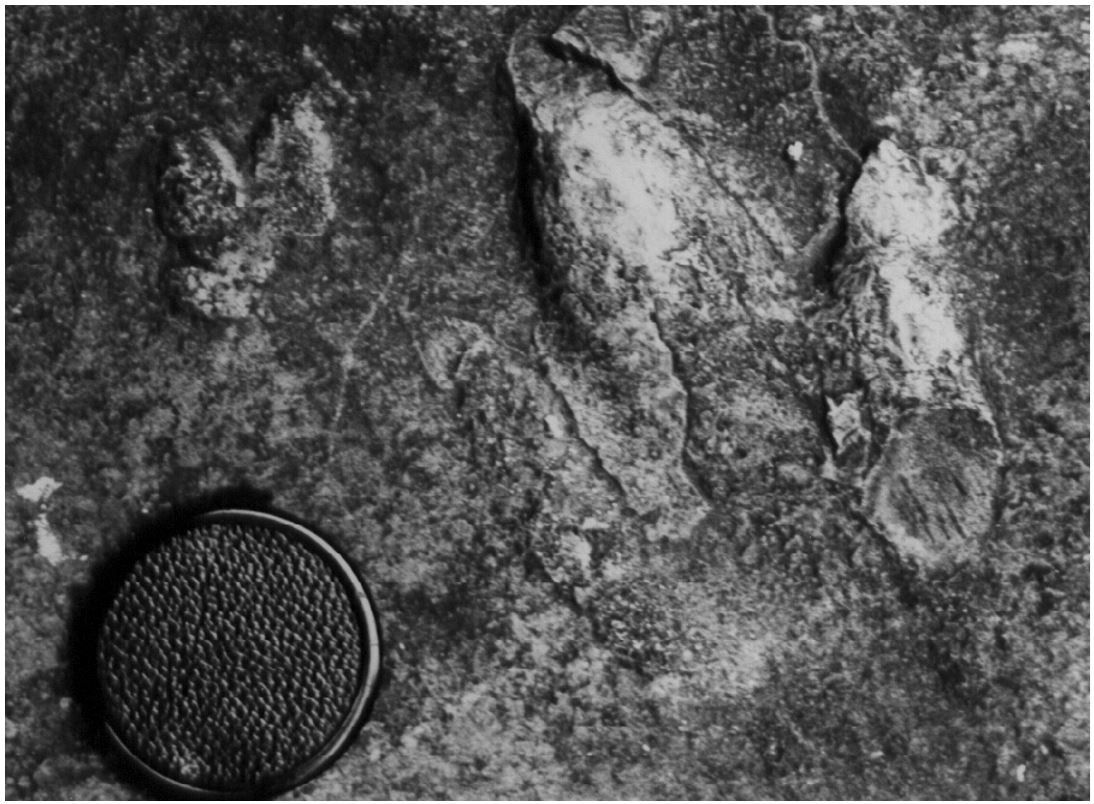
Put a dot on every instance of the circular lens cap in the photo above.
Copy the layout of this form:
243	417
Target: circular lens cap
237	656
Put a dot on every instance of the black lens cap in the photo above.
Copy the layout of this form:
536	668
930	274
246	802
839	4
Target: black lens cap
236	654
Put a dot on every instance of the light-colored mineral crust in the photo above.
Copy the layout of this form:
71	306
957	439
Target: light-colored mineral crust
650	243
932	489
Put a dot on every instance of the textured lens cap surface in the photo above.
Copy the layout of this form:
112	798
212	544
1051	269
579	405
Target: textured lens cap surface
236	657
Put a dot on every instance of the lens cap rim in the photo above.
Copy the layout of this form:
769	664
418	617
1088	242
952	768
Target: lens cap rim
367	622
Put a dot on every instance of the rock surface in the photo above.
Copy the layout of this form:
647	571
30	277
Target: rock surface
701	392
649	249
652	245
918	399
227	214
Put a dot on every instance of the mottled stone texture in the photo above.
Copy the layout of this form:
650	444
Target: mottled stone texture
933	487
660	259
701	392
651	249
226	201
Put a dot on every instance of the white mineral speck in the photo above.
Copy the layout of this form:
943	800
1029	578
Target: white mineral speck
49	546
39	491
